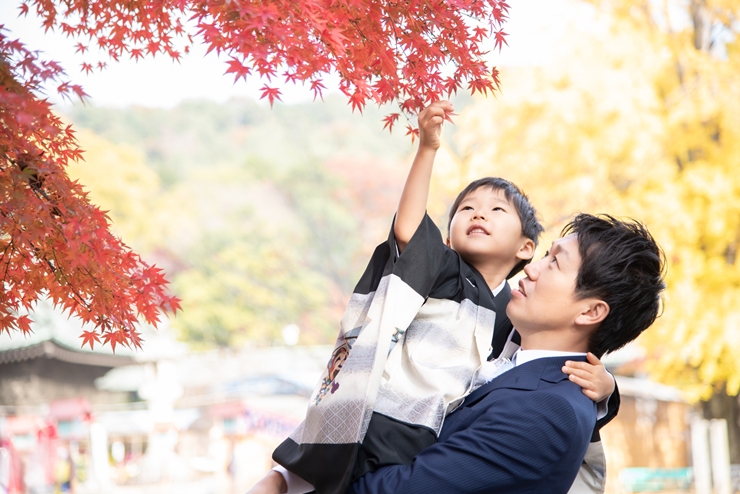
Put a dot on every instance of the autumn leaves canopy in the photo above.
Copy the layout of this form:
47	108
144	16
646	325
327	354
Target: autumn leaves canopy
55	243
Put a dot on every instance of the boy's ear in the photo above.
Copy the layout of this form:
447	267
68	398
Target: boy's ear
526	251
447	241
594	312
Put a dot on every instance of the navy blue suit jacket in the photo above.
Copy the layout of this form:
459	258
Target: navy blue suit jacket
526	431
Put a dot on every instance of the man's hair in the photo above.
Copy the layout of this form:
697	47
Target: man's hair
622	265
531	227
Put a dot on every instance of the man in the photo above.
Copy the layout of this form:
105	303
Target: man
527	430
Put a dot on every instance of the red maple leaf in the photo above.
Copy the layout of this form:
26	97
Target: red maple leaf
413	132
500	39
112	338
24	324
495	76
357	100
271	93
481	85
137	53
390	120
479	33
317	87
89	338
239	70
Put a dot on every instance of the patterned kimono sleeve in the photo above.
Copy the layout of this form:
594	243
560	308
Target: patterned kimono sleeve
385	301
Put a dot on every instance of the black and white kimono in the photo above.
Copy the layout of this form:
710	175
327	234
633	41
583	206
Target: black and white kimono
417	328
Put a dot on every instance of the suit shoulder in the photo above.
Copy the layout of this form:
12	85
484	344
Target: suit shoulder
568	398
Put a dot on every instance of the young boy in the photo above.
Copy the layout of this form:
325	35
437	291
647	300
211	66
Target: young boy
417	330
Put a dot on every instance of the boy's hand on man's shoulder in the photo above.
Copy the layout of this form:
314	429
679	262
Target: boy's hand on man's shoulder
430	123
592	376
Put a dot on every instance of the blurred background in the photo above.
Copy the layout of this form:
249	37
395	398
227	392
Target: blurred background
263	220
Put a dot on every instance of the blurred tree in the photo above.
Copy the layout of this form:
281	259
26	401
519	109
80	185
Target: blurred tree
119	181
695	200
249	259
238	212
55	242
200	134
248	289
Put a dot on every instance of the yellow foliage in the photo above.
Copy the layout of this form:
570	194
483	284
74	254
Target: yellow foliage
629	118
120	182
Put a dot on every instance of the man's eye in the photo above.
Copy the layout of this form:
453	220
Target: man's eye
555	260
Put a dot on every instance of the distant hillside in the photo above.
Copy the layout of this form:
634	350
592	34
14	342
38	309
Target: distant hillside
201	133
261	217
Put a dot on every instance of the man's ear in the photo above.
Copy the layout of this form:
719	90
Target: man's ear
526	251
594	312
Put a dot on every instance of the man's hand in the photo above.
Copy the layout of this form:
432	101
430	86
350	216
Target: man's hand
592	376
272	483
430	124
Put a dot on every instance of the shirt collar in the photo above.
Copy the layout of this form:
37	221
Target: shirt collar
498	289
524	356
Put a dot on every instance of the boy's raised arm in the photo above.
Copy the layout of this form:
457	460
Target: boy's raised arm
413	203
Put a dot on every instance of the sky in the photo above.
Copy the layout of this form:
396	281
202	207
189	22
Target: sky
159	82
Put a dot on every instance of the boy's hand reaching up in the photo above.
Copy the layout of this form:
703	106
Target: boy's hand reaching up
430	123
413	203
592	376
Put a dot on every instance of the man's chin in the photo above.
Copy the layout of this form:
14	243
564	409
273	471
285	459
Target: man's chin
512	312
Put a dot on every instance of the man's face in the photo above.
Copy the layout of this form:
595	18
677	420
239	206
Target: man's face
545	299
486	227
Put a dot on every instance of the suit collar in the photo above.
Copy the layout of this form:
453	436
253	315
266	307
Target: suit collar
526	376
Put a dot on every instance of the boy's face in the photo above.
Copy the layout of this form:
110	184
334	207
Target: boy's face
486	228
546	297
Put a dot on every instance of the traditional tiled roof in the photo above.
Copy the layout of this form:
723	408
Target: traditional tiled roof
56	336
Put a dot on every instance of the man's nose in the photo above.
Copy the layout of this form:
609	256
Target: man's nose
532	270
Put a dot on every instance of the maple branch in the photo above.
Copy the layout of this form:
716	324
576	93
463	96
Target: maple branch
61	272
7	264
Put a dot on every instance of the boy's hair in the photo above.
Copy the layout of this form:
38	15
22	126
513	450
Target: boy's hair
531	227
622	265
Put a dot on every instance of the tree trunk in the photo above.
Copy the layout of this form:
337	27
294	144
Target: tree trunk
702	25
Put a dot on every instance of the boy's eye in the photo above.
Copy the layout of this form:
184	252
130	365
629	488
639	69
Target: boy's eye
465	208
498	208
